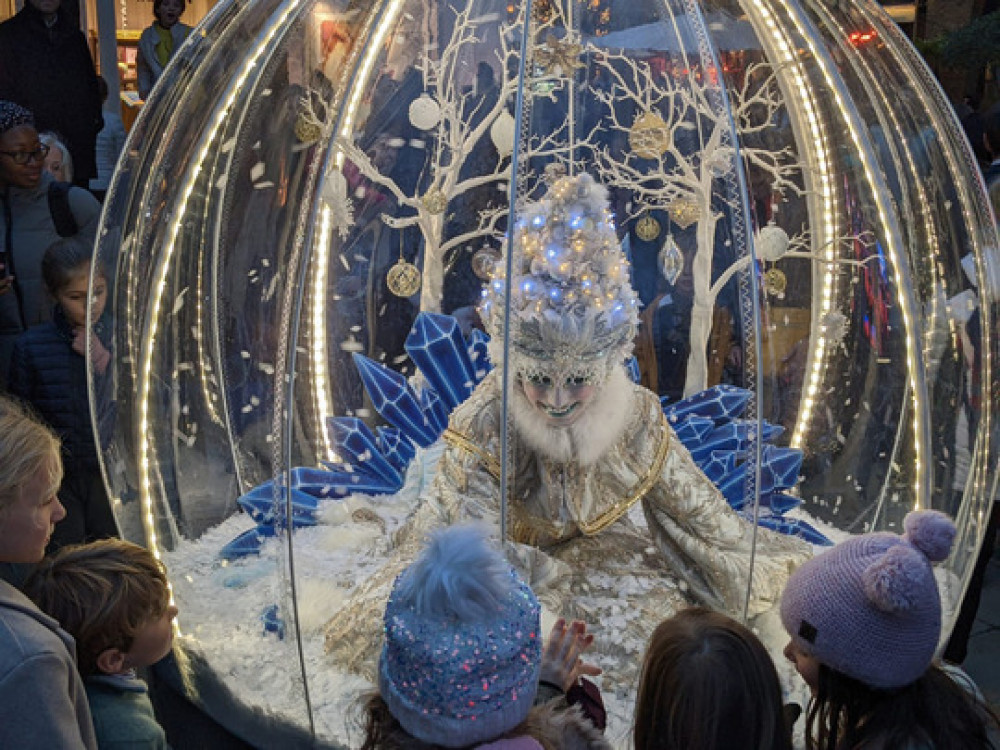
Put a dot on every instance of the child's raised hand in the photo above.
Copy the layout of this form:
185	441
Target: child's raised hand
561	662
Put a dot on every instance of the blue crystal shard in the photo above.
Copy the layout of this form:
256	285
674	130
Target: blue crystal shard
436	346
720	402
479	354
795	527
693	431
246	544
434	409
341	482
781	466
393	398
259	504
395	446
273	622
632	368
719	465
353	440
780	503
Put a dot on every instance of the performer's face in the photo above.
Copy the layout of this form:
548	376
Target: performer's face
561	403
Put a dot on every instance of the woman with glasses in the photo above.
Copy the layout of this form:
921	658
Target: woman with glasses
31	219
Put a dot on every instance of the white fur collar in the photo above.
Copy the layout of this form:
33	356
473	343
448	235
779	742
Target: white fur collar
584	442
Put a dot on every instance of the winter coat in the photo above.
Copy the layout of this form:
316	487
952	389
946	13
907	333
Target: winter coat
42	696
147	66
123	714
50	71
552	725
48	374
32	231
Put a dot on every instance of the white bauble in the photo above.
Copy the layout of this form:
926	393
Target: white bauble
502	133
425	113
772	242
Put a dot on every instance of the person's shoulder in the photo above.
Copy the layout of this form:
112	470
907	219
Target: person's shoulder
26	633
83	203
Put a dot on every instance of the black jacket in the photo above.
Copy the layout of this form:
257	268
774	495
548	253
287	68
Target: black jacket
48	374
50	71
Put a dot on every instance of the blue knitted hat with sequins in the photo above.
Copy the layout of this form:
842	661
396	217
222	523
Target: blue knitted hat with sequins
462	644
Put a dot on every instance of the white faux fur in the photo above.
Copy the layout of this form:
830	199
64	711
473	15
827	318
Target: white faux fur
598	428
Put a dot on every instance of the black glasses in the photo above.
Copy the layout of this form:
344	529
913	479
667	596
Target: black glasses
23	157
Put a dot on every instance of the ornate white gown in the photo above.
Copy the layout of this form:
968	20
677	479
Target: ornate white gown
575	529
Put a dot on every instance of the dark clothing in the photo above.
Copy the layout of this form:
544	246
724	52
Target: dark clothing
48	374
49	70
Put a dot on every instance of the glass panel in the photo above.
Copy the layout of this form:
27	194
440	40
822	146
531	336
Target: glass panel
363	291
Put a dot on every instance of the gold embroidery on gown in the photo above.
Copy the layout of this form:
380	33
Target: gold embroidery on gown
579	538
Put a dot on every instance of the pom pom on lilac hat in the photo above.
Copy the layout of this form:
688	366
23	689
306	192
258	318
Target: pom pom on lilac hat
462	644
870	607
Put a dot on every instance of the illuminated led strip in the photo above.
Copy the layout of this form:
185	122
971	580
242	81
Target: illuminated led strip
160	279
784	58
317	331
888	222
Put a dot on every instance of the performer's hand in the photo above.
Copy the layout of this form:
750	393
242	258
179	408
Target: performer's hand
561	662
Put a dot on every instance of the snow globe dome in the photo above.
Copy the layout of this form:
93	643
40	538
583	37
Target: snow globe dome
321	200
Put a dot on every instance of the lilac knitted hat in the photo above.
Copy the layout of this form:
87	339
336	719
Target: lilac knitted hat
869	607
462	644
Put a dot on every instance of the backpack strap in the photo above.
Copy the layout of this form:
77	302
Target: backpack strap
59	208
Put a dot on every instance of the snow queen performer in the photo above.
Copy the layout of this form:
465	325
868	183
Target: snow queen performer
588	446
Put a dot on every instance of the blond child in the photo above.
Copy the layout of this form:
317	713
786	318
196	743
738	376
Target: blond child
112	597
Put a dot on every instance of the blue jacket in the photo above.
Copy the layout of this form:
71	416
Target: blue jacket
48	374
123	715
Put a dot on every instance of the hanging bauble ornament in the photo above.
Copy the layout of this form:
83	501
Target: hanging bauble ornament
484	263
771	242
649	137
647	228
435	201
683	212
775	282
425	113
307	130
671	260
403	279
502	133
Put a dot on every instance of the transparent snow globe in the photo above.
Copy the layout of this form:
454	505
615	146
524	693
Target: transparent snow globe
321	240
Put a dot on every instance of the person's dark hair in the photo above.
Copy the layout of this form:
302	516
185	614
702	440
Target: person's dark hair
991	133
158	3
707	682
934	711
63	260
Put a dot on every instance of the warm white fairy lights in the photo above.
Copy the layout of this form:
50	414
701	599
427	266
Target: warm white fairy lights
189	180
317	330
821	195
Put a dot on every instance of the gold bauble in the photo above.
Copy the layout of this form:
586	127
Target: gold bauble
775	282
306	130
484	262
647	228
683	212
403	279
558	57
649	137
435	201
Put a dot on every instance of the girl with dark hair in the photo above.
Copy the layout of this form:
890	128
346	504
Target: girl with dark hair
865	621
707	682
159	41
48	370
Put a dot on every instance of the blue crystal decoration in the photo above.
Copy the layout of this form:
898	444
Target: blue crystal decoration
273	622
708	424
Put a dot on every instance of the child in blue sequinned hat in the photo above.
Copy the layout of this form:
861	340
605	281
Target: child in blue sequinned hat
463	655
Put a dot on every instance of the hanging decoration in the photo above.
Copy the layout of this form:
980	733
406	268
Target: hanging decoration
772	242
558	57
649	137
775	282
502	133
671	260
307	130
683	212
647	228
425	113
403	279
435	201
484	262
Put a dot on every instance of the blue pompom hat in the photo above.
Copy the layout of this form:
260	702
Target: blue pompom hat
462	647
870	607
